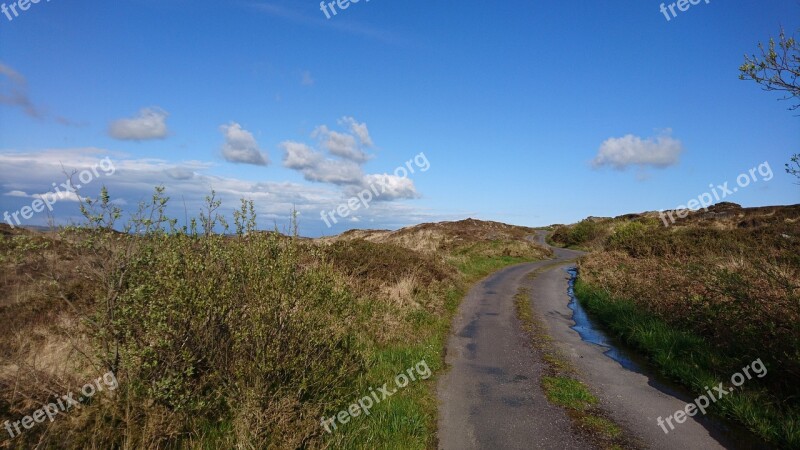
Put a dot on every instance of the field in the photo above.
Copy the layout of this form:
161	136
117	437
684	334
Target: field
240	339
702	298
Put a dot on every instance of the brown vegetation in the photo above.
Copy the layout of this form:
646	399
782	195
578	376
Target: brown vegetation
220	341
730	275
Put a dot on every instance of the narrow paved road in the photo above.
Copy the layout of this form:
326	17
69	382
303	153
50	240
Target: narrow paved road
491	397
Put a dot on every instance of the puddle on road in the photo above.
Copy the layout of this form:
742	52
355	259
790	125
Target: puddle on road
589	333
728	435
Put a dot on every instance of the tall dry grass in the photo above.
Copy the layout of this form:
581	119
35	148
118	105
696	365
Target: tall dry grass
220	337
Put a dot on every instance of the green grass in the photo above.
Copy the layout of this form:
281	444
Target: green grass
407	420
689	360
477	267
560	383
602	425
568	393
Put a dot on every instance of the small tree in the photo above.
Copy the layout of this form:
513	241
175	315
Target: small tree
793	168
777	68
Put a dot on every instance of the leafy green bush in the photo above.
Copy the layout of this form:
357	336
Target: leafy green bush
386	263
236	341
577	235
628	237
208	326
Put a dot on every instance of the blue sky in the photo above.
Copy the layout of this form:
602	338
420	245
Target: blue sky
510	102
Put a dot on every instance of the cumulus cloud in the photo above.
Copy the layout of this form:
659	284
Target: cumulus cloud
341	144
391	187
134	179
341	162
316	167
358	129
241	147
150	123
620	153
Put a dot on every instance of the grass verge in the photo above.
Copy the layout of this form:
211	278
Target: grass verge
561	383
689	360
478	267
408	419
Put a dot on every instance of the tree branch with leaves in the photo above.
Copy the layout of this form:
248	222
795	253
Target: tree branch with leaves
793	168
777	68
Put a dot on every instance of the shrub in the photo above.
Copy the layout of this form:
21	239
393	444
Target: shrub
631	238
577	235
233	341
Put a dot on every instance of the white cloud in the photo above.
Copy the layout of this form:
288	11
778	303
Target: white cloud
620	153
299	156
340	144
61	195
135	179
150	123
390	187
316	167
358	129
241	147
346	168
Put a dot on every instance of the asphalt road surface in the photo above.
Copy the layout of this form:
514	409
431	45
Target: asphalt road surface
490	398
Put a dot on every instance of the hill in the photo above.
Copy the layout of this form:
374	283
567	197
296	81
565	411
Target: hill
234	340
700	297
